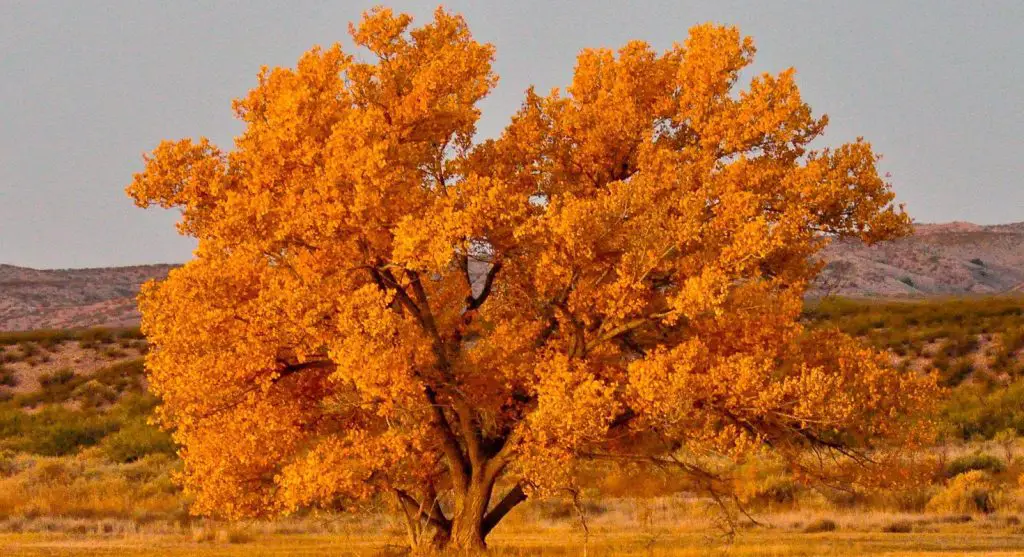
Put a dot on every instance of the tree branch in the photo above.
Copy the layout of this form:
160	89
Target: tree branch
474	302
625	328
515	496
457	464
465	414
428	511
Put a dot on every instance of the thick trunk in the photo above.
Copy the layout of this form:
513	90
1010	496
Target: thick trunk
468	522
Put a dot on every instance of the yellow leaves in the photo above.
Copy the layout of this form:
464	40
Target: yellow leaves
380	30
702	293
377	303
711	60
574	406
182	174
178	173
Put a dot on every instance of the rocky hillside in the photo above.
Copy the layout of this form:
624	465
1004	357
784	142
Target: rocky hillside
61	299
940	259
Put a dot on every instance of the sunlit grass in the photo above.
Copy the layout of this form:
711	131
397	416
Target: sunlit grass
550	542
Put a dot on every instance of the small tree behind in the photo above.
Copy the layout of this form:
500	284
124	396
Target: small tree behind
380	306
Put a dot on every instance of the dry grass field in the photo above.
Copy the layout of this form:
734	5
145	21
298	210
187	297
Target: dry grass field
985	538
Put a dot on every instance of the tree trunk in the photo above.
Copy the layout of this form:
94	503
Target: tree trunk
467	534
472	519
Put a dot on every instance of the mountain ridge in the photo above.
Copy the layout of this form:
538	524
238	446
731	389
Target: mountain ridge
938	259
72	298
954	258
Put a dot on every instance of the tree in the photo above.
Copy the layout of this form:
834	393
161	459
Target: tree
380	306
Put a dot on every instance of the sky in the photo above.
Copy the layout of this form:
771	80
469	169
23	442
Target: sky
87	87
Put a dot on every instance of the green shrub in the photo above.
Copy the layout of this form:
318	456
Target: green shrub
7	377
93	394
135	441
28	349
955	373
911	499
65	438
120	377
234	535
134	407
97	336
114	353
976	461
53	431
766	484
62	376
974	411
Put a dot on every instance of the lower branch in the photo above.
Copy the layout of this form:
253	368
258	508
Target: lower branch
515	496
427	511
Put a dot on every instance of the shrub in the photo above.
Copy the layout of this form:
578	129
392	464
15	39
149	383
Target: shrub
64	438
911	500
28	349
8	463
976	461
973	411
54	431
8	377
898	527
202	534
93	394
821	525
73	487
93	337
765	484
114	353
62	376
42	336
120	377
135	441
955	374
233	536
970	492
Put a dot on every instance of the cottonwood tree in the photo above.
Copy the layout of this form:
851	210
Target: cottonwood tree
379	306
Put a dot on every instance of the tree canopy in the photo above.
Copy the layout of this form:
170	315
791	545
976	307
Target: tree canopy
381	305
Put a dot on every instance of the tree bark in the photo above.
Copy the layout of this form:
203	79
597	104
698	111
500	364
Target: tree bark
467	532
472	519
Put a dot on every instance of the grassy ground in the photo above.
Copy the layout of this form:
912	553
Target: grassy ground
555	542
617	532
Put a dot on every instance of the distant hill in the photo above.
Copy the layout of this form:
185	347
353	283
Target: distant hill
62	299
939	259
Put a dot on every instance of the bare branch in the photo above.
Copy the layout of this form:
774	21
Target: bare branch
474	302
514	496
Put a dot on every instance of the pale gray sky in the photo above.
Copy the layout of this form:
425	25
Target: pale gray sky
86	87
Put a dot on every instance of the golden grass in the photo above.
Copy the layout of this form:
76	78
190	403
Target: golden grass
555	541
620	531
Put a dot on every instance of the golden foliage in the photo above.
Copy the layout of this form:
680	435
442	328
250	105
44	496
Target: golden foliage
970	492
379	304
